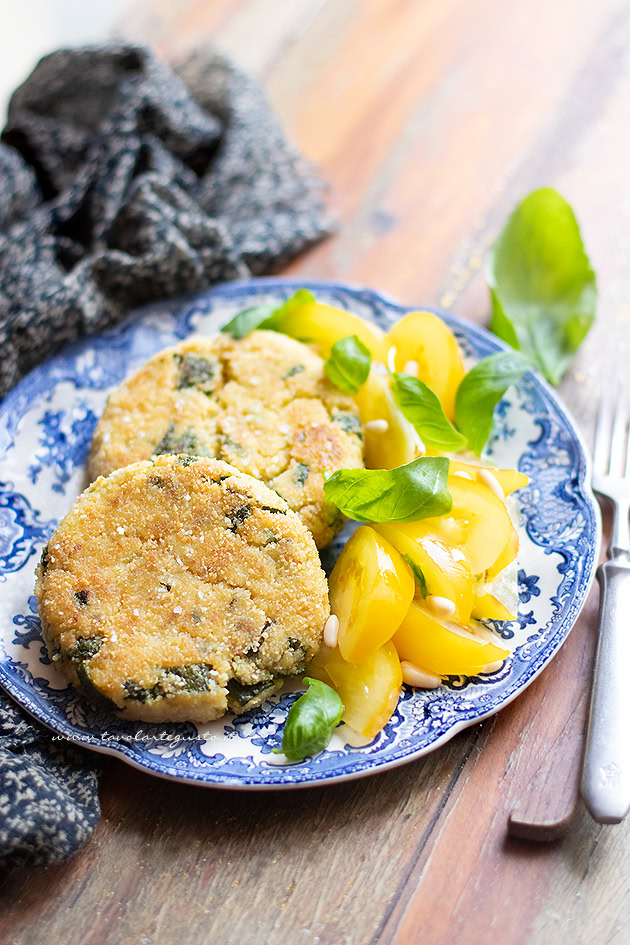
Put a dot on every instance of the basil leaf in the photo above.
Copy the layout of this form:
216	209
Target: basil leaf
267	315
481	390
418	574
544	291
311	720
424	411
248	320
349	364
298	300
404	494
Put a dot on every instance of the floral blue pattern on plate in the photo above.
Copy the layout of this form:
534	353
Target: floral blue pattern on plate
46	425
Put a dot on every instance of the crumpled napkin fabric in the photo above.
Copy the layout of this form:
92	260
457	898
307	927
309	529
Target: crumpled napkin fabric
122	182
48	793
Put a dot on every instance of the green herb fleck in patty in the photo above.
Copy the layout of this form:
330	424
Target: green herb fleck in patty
349	423
186	442
92	692
238	516
296	369
195	371
301	473
196	677
86	647
242	693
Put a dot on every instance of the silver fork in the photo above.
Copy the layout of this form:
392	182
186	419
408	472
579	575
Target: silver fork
605	785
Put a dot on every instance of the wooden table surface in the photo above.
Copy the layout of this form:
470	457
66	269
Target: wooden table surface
430	119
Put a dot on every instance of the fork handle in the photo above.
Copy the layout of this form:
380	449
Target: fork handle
606	775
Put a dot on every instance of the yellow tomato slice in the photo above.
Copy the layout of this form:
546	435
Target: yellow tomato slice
444	566
442	647
478	523
424	338
322	325
317	667
396	446
368	690
371	588
509	479
506	557
489	607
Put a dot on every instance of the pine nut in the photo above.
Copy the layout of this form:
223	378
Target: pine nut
376	426
440	606
492	667
378	367
491	482
419	678
420	448
331	631
411	367
463	475
391	360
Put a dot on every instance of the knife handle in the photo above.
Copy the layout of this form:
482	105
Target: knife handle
605	785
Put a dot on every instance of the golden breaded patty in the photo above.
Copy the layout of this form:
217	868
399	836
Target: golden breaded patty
178	587
262	404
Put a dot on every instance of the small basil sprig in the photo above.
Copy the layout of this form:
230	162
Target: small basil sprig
267	315
311	721
349	364
404	494
544	291
249	319
418	574
424	411
481	390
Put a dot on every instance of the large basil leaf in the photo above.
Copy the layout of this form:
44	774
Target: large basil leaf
481	390
405	494
424	411
544	292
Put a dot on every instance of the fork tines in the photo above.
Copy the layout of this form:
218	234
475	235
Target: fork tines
611	451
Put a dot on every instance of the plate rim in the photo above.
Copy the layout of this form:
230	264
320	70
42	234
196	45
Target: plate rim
179	307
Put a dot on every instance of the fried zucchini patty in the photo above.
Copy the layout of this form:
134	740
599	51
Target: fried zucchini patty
179	587
262	404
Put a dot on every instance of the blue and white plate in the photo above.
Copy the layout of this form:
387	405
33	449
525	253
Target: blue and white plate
46	426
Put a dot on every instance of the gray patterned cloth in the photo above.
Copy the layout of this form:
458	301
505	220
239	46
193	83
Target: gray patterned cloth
48	793
122	182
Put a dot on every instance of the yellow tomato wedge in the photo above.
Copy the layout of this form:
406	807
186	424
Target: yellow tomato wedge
478	523
368	690
397	445
424	338
322	325
442	647
445	567
509	479
507	556
371	588
489	607
317	667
